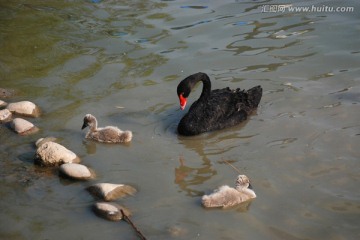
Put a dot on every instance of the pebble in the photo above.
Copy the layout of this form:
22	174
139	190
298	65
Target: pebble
109	191
23	126
110	211
24	108
76	171
54	154
5	115
2	103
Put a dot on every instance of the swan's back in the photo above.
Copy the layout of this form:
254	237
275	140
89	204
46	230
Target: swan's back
223	108
110	134
226	197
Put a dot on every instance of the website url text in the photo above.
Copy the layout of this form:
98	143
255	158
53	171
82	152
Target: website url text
277	8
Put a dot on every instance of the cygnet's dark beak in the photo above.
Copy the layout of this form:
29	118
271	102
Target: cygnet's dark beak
84	126
250	187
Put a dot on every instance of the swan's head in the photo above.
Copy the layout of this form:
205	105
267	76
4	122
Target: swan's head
89	121
242	181
183	91
185	86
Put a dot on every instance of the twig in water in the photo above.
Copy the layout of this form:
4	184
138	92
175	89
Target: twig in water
232	166
127	219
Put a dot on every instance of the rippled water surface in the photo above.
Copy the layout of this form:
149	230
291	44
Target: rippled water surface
122	61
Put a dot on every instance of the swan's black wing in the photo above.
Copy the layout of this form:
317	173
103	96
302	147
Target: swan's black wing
223	108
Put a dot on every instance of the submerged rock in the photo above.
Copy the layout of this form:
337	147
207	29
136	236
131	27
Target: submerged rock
76	171
23	126
25	108
177	231
6	93
109	191
5	115
54	154
110	211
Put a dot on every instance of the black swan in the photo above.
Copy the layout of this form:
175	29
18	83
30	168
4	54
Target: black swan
216	109
226	196
109	134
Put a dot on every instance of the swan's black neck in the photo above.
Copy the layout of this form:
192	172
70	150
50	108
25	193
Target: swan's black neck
204	78
185	86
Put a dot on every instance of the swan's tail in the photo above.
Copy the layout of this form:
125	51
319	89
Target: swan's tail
209	201
126	136
254	96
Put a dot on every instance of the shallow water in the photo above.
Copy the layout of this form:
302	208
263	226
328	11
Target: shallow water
122	61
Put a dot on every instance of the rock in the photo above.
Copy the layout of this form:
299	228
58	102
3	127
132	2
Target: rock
23	127
110	211
41	141
6	93
54	154
76	171
24	108
2	103
109	191
5	115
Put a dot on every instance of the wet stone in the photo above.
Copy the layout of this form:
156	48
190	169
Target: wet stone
76	171
110	211
177	231
109	191
5	115
2	103
23	127
41	141
24	108
54	154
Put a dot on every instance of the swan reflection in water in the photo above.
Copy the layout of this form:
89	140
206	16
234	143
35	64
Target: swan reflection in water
187	178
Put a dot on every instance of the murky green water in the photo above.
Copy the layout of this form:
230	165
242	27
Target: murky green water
301	149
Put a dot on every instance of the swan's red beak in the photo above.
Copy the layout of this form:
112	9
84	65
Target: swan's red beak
182	101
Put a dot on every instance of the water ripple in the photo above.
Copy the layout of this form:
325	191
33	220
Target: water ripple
281	142
194	7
